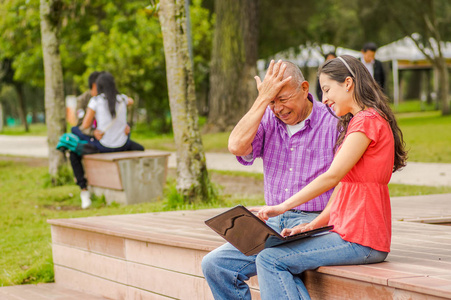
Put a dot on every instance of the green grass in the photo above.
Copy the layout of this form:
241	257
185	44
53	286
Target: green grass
413	106
38	129
427	136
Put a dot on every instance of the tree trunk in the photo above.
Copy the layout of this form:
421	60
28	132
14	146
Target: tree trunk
233	63
1	117
443	83
22	106
414	84
192	177
55	111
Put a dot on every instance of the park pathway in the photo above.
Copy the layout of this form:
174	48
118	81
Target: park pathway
415	173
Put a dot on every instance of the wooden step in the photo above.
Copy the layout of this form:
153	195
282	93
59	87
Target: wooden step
158	256
45	291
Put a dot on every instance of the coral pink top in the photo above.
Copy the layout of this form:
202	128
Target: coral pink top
361	212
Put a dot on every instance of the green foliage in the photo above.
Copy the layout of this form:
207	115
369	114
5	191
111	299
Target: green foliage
174	200
64	177
20	39
120	37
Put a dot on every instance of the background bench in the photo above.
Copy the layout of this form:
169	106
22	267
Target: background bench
127	177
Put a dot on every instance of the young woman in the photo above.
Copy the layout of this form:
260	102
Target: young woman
370	147
109	109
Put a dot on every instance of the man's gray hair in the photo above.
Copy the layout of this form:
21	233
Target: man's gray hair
294	71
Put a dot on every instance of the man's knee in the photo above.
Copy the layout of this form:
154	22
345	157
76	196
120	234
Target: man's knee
267	259
208	262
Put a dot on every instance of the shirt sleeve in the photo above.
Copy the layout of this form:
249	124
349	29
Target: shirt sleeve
367	124
257	144
92	104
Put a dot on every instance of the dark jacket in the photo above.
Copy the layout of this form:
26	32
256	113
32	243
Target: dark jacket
379	73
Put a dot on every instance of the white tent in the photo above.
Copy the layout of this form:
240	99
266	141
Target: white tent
404	54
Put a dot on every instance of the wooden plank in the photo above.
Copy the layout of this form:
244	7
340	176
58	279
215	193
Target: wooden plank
134	293
424	285
365	273
89	284
324	286
95	242
113	156
166	257
106	267
46	291
103	174
161	281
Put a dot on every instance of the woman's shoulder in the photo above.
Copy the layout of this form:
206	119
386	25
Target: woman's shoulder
122	97
98	98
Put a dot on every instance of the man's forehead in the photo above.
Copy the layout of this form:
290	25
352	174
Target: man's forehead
286	91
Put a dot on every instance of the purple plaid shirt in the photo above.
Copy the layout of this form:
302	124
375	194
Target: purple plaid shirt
290	163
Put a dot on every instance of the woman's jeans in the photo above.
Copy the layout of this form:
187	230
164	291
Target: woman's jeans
76	160
226	268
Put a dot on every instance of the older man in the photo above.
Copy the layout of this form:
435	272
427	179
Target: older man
295	138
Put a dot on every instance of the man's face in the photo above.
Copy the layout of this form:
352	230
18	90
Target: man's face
94	90
368	56
291	104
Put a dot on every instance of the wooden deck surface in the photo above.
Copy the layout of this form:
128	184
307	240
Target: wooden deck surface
114	250
46	291
420	260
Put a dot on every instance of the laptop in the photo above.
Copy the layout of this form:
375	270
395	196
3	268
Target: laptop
244	230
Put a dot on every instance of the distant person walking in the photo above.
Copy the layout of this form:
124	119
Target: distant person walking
373	65
109	108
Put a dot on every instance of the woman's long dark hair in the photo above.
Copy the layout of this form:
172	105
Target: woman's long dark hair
105	84
367	93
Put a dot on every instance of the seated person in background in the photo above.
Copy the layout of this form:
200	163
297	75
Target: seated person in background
109	108
83	100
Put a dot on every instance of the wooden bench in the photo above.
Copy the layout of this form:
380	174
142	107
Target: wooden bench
127	177
158	256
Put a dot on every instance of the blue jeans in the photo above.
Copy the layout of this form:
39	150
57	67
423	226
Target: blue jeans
226	268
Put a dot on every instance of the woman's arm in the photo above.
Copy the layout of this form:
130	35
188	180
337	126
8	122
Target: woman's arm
319	221
350	153
88	119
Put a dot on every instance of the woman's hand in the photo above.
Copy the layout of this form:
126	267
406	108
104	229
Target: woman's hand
297	229
98	134
267	212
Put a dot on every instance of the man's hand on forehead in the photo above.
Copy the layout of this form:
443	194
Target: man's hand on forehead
273	82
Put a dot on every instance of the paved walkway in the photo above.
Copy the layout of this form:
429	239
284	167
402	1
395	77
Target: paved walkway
430	174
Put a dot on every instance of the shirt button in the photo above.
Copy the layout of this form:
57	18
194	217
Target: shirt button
286	190
291	169
291	149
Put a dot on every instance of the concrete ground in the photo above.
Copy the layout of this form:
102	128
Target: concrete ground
415	173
